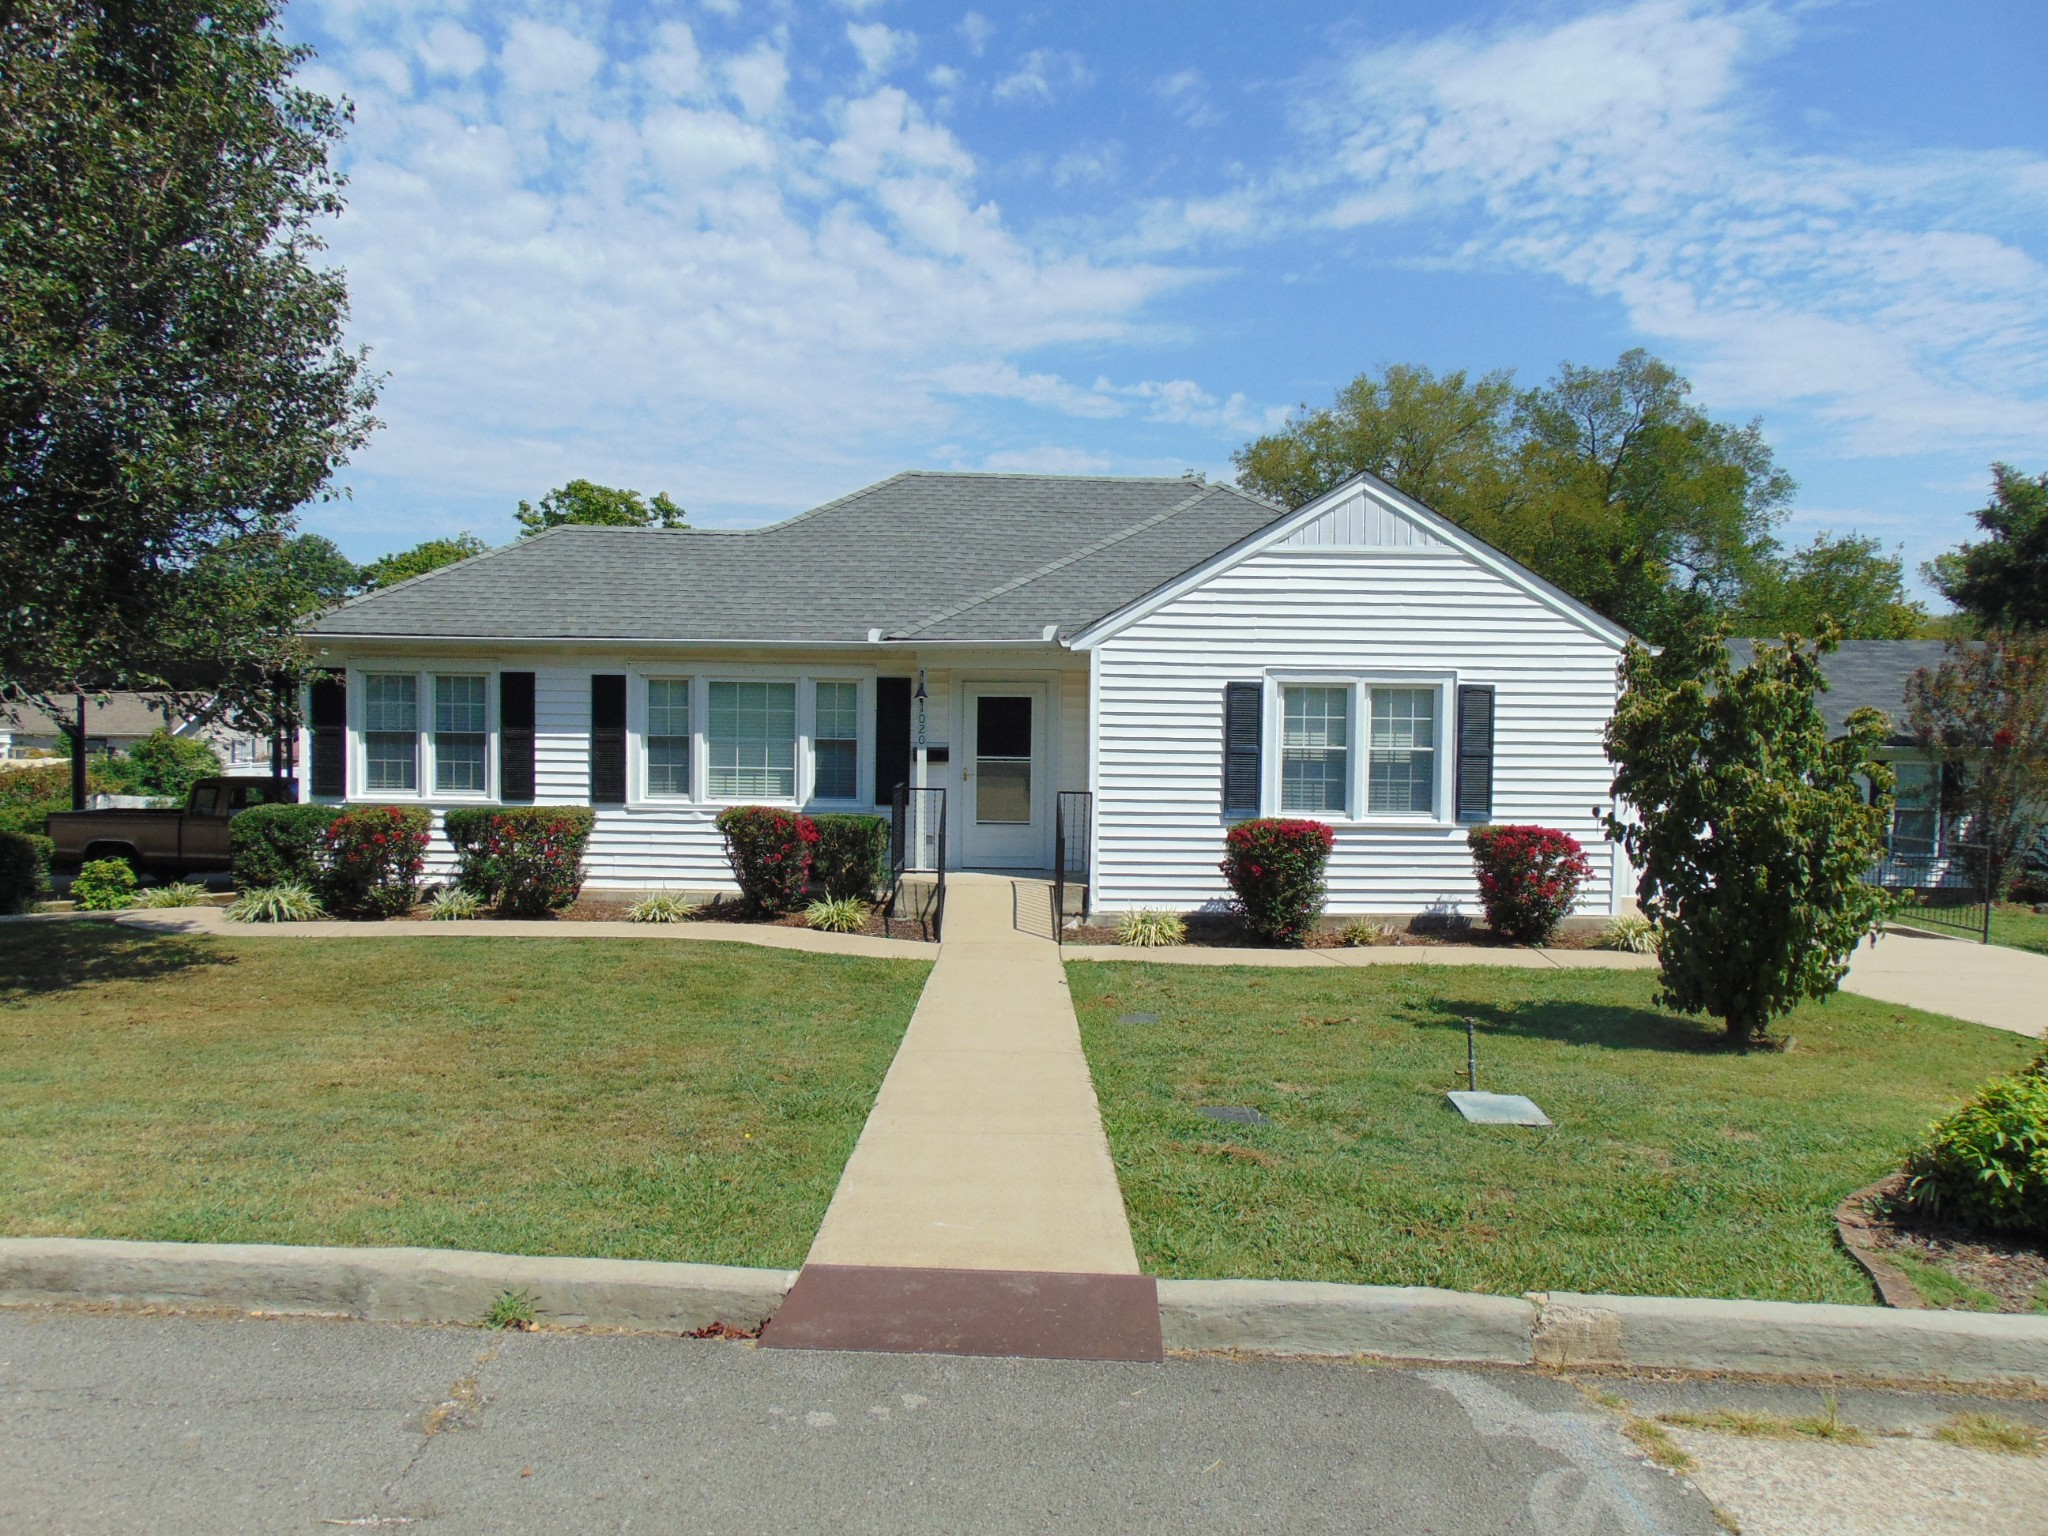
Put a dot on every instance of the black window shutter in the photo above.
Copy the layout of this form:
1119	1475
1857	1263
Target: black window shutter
607	738
515	735
1243	737
892	736
1475	753
327	715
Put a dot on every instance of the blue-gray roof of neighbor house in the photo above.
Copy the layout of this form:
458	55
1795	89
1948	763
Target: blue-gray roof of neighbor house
1864	673
920	556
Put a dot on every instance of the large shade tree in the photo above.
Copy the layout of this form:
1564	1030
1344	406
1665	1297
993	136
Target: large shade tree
173	381
2002	580
1984	712
585	503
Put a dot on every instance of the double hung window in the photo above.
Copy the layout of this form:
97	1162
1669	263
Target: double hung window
668	736
835	742
1315	750
1916	807
1401	772
751	740
1358	749
460	726
391	731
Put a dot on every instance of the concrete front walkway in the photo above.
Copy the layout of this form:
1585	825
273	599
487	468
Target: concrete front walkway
985	1149
1984	983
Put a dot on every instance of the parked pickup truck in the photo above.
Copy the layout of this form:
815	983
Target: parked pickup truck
169	843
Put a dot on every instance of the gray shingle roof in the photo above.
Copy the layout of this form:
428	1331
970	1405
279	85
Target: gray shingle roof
921	555
1863	673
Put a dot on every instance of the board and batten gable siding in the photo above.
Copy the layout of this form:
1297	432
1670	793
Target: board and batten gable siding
1378	595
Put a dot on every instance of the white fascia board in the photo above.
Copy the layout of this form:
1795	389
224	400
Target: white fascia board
1476	550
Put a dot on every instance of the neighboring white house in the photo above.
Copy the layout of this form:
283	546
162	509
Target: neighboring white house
1188	653
115	722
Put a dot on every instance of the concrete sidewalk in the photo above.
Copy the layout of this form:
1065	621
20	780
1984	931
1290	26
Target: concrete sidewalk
985	1149
1984	983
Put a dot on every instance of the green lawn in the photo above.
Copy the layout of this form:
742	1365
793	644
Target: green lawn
655	1099
1675	1167
2021	927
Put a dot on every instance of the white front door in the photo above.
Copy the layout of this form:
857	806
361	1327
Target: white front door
1003	787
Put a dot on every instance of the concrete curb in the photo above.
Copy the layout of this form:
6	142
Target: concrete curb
1307	1317
413	1285
1787	1338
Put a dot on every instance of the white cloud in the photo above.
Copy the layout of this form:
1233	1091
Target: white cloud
1048	459
888	131
1186	95
1089	165
882	49
449	48
546	60
1043	75
1179	402
976	30
757	78
1620	152
674	64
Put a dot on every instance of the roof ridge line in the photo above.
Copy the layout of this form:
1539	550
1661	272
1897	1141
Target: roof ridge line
1065	560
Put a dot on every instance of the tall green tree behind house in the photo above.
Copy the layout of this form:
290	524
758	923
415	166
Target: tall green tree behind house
1849	580
1607	481
420	559
2002	581
1750	824
586	503
174	378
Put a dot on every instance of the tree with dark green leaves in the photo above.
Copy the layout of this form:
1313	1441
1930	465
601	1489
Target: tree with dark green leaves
420	559
1610	482
1984	713
588	504
173	382
2002	581
1749	822
1849	581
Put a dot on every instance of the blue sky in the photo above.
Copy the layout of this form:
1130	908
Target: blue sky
761	255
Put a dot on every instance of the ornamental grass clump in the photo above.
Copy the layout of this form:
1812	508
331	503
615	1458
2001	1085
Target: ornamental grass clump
372	857
1275	869
181	893
452	904
844	914
1985	1167
1151	930
104	885
662	907
770	853
1529	879
526	861
276	904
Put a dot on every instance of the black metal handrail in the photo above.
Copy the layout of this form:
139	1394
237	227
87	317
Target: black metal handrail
917	845
1950	884
1073	823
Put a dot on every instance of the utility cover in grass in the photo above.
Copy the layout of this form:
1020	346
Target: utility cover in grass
1495	1108
1137	1018
1238	1114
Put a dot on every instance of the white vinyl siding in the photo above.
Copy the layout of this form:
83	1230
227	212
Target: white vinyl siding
391	732
835	742
751	736
668	739
1379	616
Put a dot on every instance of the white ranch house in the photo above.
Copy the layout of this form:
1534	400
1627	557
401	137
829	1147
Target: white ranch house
1186	653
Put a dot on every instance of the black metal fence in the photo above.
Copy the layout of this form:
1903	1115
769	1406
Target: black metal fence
1072	825
917	846
1939	887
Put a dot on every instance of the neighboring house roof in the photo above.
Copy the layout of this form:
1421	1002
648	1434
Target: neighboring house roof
1864	673
925	556
123	714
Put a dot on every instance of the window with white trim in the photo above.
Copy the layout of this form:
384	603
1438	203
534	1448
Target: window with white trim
391	731
1401	752
668	738
835	742
1916	806
750	737
461	735
1315	749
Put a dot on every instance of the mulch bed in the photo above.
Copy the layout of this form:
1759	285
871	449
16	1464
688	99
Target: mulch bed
1874	1229
1222	931
605	909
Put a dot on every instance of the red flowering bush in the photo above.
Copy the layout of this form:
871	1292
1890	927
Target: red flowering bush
526	861
1528	879
372	856
1275	867
770	853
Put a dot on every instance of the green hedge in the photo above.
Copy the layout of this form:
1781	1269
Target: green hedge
851	858
372	857
1985	1167
770	852
277	845
23	870
525	860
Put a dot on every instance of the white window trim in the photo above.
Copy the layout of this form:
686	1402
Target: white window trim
1359	750
423	793
701	678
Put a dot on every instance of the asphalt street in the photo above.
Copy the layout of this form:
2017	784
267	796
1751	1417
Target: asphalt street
125	1423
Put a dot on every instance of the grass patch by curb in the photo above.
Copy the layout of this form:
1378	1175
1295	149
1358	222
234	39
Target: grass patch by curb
1753	1424
1676	1167
1989	1432
575	1096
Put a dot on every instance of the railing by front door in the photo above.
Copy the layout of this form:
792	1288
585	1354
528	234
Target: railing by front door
917	846
1072	826
1942	887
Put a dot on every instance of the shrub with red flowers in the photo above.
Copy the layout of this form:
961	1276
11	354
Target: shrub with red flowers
372	858
1275	867
527	860
1528	879
770	853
